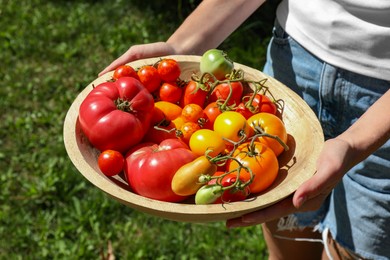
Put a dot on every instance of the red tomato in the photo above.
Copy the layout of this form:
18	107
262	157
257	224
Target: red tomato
124	71
150	168
116	115
111	162
211	112
236	193
193	94
260	103
222	92
170	92
169	70
149	77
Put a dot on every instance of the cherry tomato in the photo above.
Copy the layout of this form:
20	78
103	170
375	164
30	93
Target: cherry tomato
217	63
211	112
269	124
186	131
208	194
193	94
228	91
111	162
260	103
168	69
204	140
237	193
124	71
193	113
149	77
170	92
261	160
232	126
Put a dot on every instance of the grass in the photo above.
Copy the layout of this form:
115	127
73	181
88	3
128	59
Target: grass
49	51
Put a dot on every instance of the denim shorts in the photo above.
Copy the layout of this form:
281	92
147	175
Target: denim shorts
357	213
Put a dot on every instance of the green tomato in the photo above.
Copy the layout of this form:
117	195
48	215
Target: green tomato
216	62
208	194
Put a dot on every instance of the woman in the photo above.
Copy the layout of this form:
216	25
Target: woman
335	55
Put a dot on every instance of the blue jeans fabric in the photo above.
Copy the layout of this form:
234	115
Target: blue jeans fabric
357	212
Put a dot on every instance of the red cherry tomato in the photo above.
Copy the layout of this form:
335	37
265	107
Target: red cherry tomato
149	77
260	103
170	92
111	162
211	112
222	92
193	94
124	71
169	70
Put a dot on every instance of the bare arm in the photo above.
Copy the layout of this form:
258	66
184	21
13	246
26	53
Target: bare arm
363	138
205	28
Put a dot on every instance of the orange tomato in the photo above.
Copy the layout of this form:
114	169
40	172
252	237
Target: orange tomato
170	110
192	113
261	160
272	125
186	130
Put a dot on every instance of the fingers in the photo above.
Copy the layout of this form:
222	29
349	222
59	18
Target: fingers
142	51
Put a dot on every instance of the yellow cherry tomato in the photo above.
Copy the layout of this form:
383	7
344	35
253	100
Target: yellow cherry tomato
205	140
232	126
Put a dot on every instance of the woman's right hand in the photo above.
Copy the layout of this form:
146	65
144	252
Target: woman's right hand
142	51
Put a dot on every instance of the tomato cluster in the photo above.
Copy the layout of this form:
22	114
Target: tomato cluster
206	136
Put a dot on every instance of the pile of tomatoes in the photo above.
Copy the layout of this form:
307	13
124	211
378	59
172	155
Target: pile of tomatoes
207	137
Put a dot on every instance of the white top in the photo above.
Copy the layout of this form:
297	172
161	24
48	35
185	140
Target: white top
350	34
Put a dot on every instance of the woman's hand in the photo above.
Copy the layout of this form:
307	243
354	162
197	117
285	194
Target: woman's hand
142	51
334	161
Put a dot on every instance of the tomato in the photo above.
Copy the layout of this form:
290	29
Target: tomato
186	182
261	160
170	92
170	110
232	126
150	168
238	192
187	130
193	113
116	115
169	70
205	140
157	134
230	91
211	112
111	162
208	194
194	93
124	71
217	63
149	77
258	103
272	125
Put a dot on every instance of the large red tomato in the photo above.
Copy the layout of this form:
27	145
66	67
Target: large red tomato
150	168
116	115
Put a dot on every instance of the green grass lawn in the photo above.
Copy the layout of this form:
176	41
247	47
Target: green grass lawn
49	51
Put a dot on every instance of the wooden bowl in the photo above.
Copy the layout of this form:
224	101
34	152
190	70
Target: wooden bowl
296	165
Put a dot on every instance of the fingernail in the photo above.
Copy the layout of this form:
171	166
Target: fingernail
300	201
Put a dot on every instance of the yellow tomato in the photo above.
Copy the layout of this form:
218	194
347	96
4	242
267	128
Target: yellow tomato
205	140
